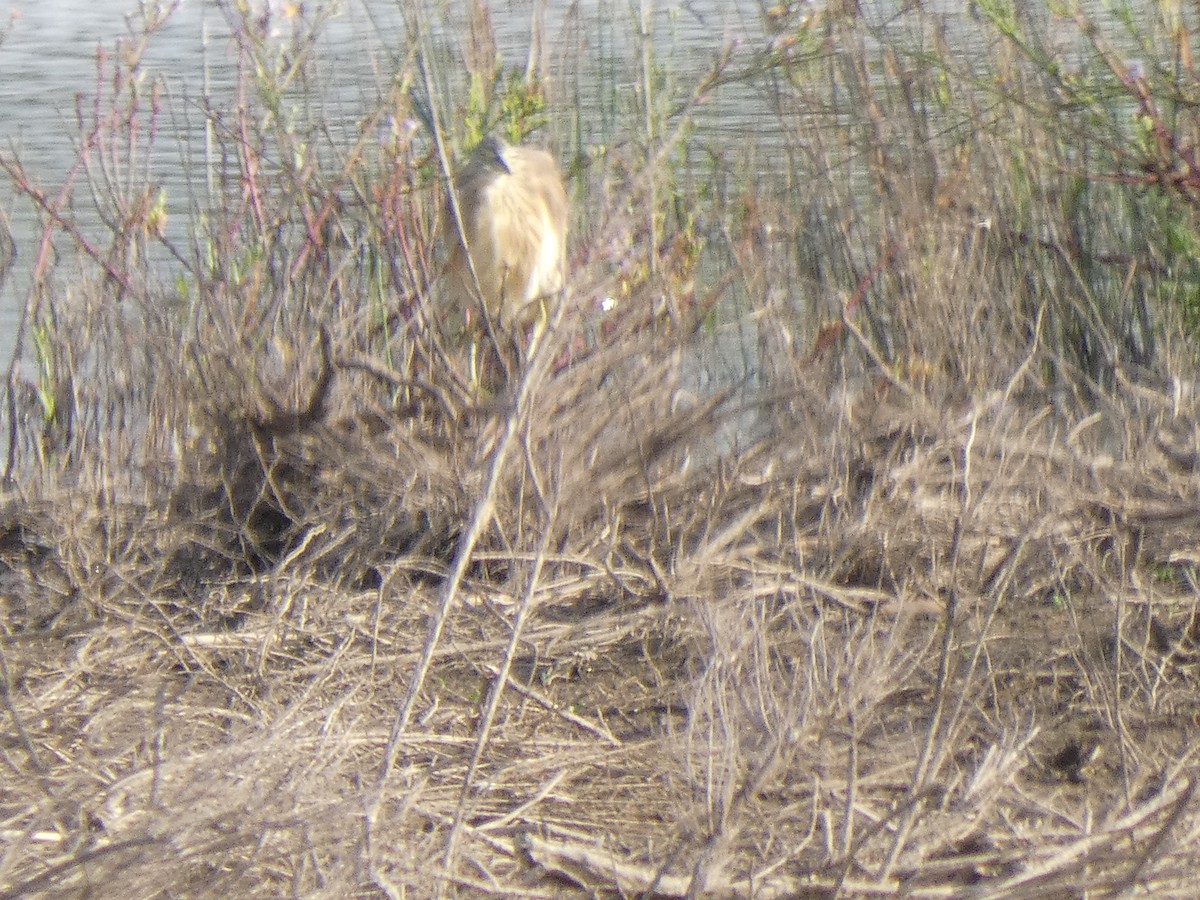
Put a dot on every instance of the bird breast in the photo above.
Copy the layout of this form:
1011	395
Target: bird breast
526	240
514	209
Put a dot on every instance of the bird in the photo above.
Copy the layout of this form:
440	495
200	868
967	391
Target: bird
507	233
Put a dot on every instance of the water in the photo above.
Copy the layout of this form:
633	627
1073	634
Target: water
50	53
50	59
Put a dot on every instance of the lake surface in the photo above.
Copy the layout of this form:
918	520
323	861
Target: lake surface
49	58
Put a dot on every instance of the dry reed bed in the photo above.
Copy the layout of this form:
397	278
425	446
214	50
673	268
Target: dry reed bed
894	646
931	632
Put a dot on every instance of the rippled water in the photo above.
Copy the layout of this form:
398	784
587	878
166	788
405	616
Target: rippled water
49	59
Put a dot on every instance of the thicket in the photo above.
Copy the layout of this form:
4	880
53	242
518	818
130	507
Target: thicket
839	540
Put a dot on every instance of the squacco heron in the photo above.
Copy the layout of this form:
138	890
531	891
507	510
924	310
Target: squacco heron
513	209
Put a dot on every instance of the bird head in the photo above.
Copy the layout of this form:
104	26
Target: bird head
490	152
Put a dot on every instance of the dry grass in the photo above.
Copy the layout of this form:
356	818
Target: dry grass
289	605
887	648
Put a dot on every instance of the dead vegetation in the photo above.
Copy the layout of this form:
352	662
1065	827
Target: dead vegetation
888	648
289	605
